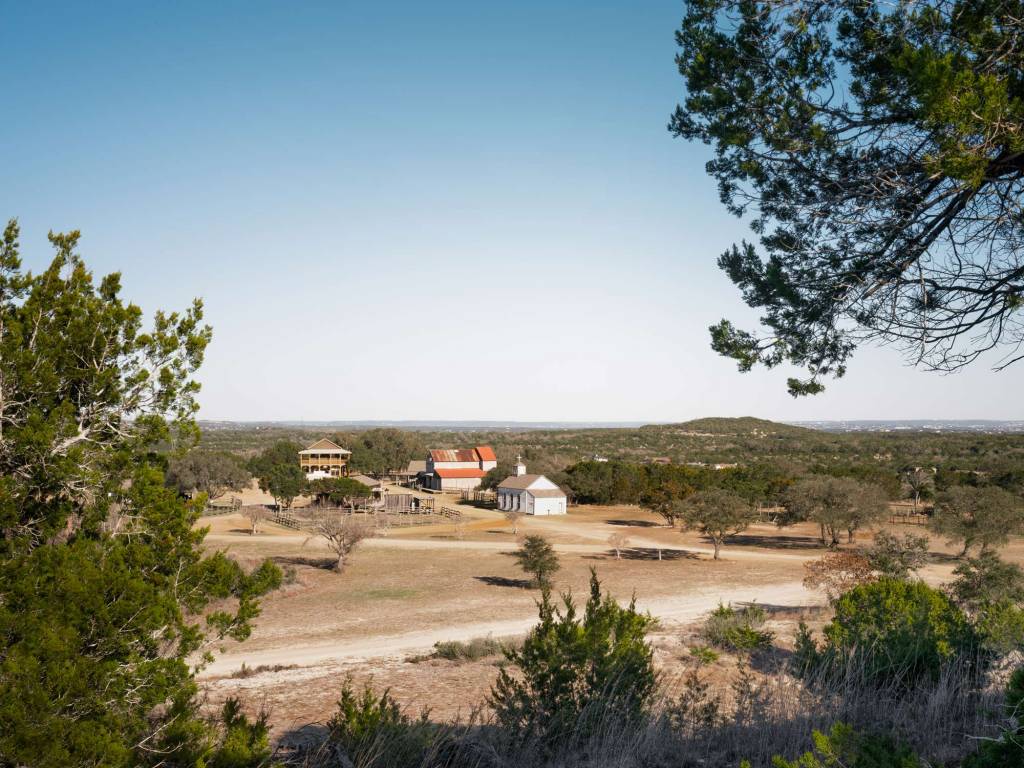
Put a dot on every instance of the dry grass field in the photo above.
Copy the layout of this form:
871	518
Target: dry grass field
404	592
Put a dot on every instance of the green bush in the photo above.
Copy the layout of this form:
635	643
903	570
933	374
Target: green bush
737	629
842	747
898	631
572	674
373	730
242	744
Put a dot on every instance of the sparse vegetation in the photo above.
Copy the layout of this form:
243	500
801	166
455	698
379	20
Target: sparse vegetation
737	629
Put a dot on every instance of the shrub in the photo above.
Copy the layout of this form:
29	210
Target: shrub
842	746
703	655
373	730
471	650
572	674
737	629
898	630
242	744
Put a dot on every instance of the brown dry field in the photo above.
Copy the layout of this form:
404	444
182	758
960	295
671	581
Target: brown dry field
403	592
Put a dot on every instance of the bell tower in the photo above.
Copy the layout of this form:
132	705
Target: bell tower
519	469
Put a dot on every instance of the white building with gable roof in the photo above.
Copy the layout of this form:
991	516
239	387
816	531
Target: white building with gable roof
532	494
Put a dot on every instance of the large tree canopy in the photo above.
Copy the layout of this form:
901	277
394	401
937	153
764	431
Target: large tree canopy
107	600
879	148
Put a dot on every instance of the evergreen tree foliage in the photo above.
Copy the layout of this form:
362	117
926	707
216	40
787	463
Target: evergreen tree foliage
105	593
538	558
573	672
879	149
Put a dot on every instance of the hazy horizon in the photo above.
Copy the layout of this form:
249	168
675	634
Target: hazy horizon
401	211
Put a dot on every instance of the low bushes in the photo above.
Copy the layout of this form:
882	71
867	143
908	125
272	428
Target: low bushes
737	629
574	673
894	631
470	650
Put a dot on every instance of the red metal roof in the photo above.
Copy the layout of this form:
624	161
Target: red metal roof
453	473
467	454
486	453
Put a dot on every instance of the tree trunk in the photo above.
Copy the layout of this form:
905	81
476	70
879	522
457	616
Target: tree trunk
718	546
849	535
824	541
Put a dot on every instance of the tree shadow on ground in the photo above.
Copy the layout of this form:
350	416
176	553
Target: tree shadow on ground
635	523
504	581
324	563
772	542
770	660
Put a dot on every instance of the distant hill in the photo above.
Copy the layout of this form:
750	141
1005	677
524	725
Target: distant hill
742	425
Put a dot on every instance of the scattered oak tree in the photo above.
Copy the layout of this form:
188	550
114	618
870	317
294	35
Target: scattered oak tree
983	517
379	452
340	491
285	482
211	472
878	148
836	504
537	557
717	515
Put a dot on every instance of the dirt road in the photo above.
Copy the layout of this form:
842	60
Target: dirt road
677	609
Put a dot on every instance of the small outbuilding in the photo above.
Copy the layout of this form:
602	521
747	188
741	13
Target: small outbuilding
531	494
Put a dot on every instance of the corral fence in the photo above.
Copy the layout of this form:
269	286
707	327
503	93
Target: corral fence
222	507
483	497
302	519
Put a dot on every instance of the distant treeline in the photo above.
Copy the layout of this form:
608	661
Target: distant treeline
620	482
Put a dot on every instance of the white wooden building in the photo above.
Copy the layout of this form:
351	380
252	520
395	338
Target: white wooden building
532	494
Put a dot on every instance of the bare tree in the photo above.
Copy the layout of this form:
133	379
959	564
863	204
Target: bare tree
256	515
342	533
618	542
514	516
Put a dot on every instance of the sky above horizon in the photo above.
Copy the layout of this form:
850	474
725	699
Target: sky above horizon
457	210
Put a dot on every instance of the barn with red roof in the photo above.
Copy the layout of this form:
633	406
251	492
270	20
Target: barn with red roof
458	469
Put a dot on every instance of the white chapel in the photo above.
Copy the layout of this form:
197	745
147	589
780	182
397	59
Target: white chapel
532	494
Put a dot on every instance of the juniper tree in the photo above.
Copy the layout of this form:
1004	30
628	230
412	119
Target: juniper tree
879	150
105	592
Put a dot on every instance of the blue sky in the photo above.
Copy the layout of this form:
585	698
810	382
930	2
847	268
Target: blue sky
461	210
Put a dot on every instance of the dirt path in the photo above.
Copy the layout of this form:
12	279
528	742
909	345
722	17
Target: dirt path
392	542
674	609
